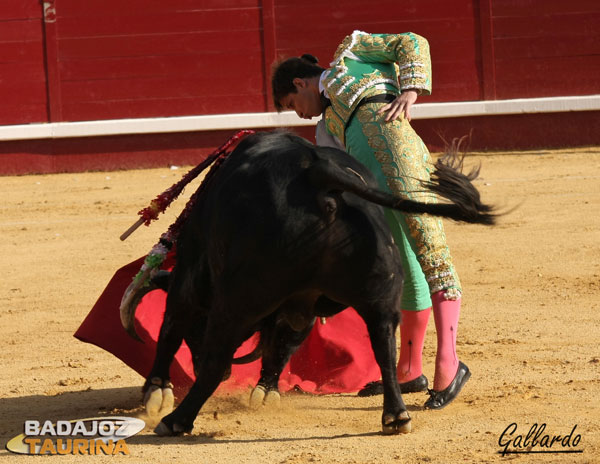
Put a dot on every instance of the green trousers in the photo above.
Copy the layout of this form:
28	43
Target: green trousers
398	158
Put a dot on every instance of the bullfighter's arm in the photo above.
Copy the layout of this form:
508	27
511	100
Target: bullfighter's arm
409	51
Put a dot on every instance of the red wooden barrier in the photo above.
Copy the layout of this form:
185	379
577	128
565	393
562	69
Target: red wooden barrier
144	58
95	60
22	74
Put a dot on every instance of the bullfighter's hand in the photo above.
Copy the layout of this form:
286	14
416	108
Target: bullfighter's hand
400	106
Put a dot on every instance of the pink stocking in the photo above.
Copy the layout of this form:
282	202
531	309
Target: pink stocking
445	314
412	337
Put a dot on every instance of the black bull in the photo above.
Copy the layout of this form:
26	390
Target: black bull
286	232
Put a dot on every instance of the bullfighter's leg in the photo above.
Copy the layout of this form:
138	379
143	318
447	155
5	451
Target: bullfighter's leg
382	328
402	162
279	342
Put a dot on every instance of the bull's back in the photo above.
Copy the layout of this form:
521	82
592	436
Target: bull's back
262	225
260	202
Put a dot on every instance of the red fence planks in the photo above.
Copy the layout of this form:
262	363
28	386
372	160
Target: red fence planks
91	9
139	58
549	26
29	89
23	113
156	107
521	78
21	30
269	49
454	83
11	10
19	52
203	85
156	58
22	73
145	22
213	64
546	48
568	44
434	31
183	43
382	9
537	8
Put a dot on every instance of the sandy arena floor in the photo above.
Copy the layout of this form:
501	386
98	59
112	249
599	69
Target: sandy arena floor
529	328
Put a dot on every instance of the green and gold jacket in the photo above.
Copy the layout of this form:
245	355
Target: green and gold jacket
365	65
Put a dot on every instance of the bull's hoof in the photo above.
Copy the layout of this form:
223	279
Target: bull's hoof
153	400
159	401
262	396
165	430
394	425
257	397
168	401
272	399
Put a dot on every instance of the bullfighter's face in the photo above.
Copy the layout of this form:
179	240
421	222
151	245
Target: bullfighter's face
306	101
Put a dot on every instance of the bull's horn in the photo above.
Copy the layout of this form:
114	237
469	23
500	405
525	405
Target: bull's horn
130	300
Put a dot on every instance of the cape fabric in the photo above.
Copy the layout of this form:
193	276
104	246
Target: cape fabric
335	358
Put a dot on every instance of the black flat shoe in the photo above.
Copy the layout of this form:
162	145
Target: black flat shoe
412	386
441	399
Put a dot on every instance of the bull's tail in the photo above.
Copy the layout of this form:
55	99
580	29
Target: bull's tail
254	355
447	182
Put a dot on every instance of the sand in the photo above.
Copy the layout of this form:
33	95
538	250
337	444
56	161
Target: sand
529	328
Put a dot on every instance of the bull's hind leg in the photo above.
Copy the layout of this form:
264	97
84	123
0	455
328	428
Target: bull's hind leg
382	327
280	342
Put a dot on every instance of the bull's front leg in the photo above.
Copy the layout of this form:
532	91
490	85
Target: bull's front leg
181	420
395	418
158	390
214	359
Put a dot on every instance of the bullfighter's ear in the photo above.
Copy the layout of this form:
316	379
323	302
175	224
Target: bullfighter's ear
299	83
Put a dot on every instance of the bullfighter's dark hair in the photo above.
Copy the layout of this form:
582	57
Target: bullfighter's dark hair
284	73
